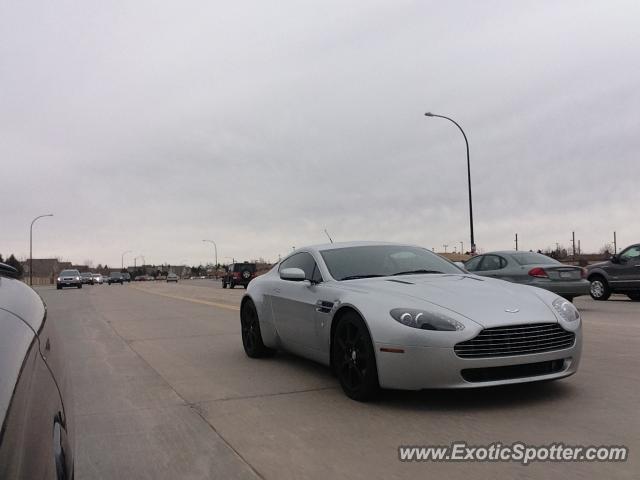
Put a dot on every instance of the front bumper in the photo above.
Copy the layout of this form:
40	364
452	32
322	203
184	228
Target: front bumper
439	367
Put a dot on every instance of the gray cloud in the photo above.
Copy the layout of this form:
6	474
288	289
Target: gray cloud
151	126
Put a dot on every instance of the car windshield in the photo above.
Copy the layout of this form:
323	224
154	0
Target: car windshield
533	258
383	260
116	274
85	274
70	272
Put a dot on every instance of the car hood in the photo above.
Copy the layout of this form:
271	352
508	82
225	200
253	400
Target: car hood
488	302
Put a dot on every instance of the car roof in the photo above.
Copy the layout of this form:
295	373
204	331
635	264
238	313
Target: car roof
336	245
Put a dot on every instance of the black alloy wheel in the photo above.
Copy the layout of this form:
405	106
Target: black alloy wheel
353	358
251	335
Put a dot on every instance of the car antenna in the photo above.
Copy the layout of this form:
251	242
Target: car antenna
329	236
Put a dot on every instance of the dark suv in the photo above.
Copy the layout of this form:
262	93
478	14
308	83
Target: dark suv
239	274
116	277
620	274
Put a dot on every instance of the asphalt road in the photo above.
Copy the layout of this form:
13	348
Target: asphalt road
163	389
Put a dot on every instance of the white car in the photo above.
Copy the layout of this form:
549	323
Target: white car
97	278
400	316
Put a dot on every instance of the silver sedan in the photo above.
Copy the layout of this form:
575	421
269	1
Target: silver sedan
399	316
534	269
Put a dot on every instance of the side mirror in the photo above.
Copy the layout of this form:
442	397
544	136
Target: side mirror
461	265
293	274
615	259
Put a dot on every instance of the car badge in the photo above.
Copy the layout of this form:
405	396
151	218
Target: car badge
512	310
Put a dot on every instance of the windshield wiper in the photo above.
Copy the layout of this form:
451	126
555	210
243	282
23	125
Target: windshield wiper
410	272
355	277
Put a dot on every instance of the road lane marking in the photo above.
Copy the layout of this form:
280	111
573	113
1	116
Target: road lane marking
187	299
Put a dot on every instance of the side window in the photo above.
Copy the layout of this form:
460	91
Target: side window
306	263
631	253
473	264
491	262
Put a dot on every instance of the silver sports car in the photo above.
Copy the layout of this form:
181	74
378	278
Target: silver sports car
399	316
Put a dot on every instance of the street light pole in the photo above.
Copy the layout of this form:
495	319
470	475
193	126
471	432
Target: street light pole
473	243
215	249
122	259
31	246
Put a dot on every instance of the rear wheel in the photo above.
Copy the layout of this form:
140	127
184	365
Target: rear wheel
224	284
599	289
232	284
251	335
79	285
353	358
634	296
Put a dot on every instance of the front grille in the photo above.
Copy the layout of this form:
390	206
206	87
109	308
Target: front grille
492	374
516	340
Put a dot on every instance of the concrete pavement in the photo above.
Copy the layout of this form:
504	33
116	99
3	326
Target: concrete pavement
164	390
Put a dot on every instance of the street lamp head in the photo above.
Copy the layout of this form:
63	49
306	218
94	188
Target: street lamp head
428	114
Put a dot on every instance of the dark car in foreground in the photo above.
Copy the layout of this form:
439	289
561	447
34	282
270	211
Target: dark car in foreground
239	274
116	277
37	436
620	274
69	278
531	268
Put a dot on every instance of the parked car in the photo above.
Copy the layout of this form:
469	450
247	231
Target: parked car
401	317
97	278
172	277
620	274
69	278
126	276
531	268
239	274
116	277
87	278
36	409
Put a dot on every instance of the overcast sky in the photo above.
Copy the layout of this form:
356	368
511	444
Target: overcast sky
150	125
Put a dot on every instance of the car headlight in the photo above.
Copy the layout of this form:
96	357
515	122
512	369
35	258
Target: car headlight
77	278
59	279
566	309
424	320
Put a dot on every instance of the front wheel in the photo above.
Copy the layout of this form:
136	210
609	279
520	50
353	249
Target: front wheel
634	296
251	335
353	358
232	285
599	289
80	286
224	284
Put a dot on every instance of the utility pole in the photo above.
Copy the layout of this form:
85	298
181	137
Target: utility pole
31	246
615	244
461	247
573	241
445	248
516	242
579	248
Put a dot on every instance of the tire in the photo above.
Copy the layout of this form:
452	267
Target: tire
353	358
599	289
59	287
634	296
232	285
224	284
251	335
80	285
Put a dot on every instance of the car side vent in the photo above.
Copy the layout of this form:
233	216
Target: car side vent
401	281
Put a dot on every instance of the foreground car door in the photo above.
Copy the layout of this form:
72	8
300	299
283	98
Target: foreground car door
294	305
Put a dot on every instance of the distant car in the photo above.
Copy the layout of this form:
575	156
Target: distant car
87	278
620	274
69	278
97	278
534	269
116	277
172	277
126	276
239	274
36	408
